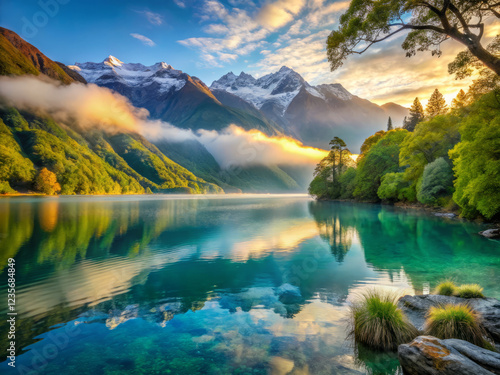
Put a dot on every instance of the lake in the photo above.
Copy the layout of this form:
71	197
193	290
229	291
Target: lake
241	284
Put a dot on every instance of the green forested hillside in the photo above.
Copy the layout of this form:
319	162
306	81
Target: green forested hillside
450	160
86	162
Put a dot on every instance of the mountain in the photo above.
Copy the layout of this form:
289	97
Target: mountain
313	114
171	95
18	57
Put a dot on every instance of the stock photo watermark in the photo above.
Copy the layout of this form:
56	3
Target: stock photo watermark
11	312
48	9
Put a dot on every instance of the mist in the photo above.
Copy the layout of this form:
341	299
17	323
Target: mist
94	107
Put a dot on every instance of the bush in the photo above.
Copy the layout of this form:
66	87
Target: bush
469	291
446	288
378	322
437	182
456	322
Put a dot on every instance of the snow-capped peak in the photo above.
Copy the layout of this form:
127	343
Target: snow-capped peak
112	70
112	61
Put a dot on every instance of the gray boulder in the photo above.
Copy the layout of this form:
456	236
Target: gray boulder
491	233
416	307
427	355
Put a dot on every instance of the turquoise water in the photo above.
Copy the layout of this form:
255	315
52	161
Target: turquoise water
216	285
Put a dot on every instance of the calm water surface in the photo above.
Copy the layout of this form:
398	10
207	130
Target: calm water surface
216	285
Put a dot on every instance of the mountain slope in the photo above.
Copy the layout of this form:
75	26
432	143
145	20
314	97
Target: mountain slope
87	163
18	57
313	114
171	95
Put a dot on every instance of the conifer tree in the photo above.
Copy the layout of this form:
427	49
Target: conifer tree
389	124
416	116
436	105
460	101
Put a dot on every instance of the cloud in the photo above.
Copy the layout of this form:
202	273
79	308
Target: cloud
145	40
235	146
93	107
90	106
180	3
277	14
153	18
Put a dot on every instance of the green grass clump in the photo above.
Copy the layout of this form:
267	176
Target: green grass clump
378	322
446	288
469	291
456	322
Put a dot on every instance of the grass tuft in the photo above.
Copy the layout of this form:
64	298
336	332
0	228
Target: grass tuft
469	291
456	322
446	288
377	322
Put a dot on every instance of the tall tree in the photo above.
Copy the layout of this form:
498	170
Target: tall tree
460	101
429	23
389	124
416	116
436	105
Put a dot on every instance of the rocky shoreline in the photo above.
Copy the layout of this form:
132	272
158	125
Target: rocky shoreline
430	355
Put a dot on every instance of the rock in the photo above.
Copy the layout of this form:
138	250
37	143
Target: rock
427	355
289	294
483	357
491	233
445	214
415	307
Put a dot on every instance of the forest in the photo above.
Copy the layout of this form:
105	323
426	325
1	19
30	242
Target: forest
442	156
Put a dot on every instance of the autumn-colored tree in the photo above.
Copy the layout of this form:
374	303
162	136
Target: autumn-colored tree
436	105
416	116
46	182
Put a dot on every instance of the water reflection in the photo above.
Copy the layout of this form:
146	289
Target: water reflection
234	284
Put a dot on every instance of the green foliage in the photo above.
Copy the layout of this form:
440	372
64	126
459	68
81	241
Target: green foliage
5	188
460	101
382	158
430	140
436	105
446	288
347	185
456	322
437	181
328	173
476	160
15	168
87	163
377	322
366	22
369	142
12	61
394	187
416	116
469	291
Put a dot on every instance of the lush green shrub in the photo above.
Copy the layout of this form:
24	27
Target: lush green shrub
377	322
5	188
469	291
382	158
476	160
446	288
394	188
437	182
456	322
346	181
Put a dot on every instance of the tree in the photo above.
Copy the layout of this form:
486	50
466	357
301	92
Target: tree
429	23
460	101
382	158
369	142
393	187
389	124
327	175
476	160
416	116
437	182
46	182
436	105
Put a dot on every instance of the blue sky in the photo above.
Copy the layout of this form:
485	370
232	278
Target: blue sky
208	38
